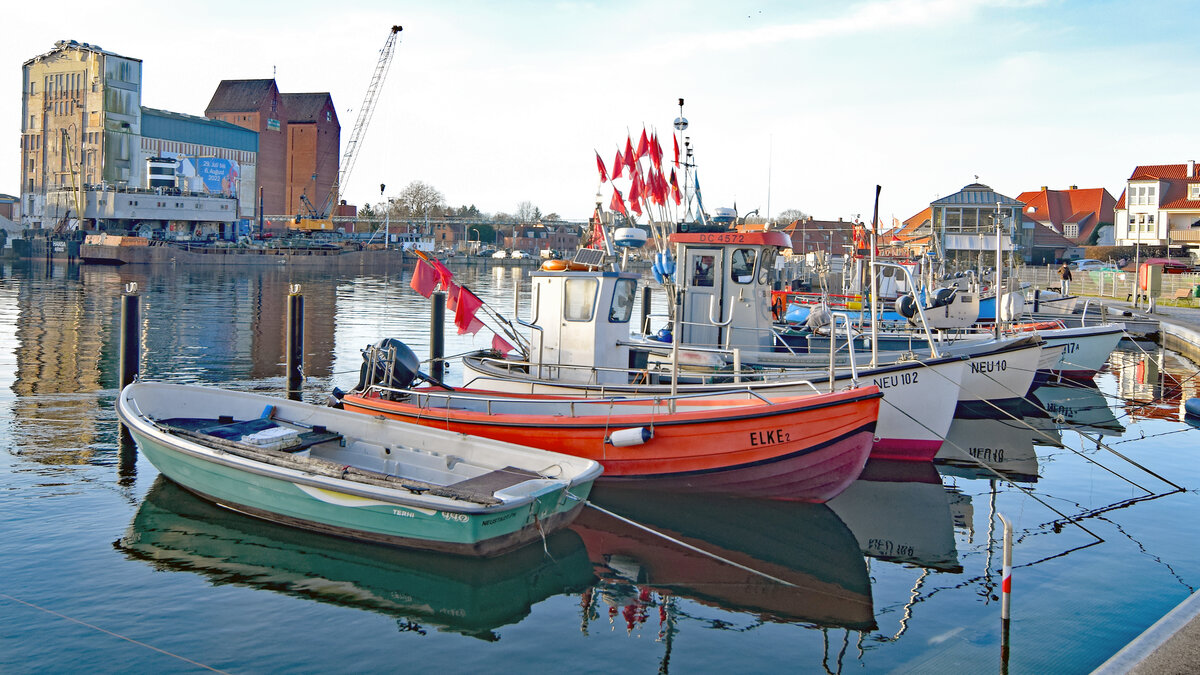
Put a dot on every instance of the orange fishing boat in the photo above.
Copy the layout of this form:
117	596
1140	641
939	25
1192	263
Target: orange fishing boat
802	448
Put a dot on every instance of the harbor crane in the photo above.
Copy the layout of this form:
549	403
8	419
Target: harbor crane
322	220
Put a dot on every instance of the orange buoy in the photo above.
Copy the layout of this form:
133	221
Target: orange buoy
554	265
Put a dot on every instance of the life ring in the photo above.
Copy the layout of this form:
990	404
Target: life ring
777	306
554	265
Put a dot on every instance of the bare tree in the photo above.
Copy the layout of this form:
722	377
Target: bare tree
788	216
419	200
528	213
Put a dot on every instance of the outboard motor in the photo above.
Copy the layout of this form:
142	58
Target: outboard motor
388	363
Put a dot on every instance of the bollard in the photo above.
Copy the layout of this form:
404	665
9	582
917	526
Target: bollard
295	342
131	337
646	310
437	335
1005	591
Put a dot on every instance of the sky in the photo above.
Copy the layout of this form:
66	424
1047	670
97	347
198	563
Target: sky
792	105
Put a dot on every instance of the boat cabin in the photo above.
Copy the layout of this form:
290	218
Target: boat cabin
725	279
582	318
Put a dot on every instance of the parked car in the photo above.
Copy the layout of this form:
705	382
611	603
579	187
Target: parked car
500	254
520	255
486	253
1090	265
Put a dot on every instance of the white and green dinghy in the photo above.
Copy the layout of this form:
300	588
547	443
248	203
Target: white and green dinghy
352	475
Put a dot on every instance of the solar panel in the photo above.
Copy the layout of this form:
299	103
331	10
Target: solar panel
589	256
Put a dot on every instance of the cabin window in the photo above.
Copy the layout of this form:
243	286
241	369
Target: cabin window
580	299
741	265
702	273
766	263
622	302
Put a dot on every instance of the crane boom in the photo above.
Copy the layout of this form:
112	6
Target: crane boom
324	220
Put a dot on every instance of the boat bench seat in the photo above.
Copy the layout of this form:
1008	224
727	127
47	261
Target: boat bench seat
234	430
492	481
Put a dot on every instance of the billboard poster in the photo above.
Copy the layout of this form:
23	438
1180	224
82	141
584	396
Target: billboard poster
208	174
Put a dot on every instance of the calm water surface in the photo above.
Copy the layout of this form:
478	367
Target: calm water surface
107	567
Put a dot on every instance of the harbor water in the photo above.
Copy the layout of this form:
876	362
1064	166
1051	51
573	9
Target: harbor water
108	567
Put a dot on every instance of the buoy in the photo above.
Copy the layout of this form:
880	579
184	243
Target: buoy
1191	408
623	438
554	265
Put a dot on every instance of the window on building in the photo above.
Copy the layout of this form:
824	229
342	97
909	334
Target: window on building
1071	230
1194	191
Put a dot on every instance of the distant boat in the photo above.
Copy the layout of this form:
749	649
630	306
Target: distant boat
330	471
175	531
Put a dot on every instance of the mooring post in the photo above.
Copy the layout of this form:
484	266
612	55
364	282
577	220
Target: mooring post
646	290
295	342
437	335
1005	591
131	336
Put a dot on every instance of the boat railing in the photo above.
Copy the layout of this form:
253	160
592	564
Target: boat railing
532	324
489	402
772	376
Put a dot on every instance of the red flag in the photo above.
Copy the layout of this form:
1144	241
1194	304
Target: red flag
618	202
452	296
424	279
655	151
618	165
630	159
660	189
444	275
675	140
501	345
600	166
643	145
635	190
675	187
464	314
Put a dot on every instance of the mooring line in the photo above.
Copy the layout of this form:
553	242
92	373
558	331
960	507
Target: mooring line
688	546
109	632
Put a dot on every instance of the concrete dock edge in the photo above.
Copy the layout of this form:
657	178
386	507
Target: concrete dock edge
1171	645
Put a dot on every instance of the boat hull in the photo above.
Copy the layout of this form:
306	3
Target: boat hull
340	507
919	398
804	449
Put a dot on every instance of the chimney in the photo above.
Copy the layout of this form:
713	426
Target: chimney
1191	168
1073	187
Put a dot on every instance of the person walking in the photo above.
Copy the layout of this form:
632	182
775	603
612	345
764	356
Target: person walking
1064	273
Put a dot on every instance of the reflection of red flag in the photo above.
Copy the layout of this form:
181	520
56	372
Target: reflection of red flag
675	140
464	314
675	188
643	145
600	166
618	165
501	345
424	279
618	202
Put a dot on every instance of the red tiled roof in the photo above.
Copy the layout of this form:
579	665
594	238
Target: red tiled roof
304	108
1167	171
908	229
1087	207
240	95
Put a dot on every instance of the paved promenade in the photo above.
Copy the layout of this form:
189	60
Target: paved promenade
1172	645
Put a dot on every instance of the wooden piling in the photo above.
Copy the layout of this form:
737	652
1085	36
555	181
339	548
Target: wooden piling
131	336
295	342
437	335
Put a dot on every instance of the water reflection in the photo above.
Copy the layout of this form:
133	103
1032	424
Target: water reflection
777	561
900	512
1154	383
994	448
175	531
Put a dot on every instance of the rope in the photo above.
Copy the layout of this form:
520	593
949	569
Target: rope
109	632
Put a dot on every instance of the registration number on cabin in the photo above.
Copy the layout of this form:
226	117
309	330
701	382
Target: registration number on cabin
723	237
769	437
997	366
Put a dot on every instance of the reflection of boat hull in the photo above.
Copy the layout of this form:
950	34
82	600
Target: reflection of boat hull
180	254
898	511
174	530
1079	406
804	545
982	448
803	448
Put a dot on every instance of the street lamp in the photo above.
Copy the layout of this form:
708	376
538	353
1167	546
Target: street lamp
478	242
